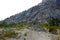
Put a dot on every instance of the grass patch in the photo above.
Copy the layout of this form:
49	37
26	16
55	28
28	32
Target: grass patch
10	34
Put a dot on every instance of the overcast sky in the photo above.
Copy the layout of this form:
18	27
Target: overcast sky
11	7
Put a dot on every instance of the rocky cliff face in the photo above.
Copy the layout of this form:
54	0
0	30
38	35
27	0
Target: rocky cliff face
39	13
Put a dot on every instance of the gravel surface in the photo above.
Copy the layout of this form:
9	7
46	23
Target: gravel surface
32	35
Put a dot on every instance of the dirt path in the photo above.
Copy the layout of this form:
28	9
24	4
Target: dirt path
34	35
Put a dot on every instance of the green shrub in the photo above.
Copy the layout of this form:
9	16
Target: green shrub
24	38
1	37
10	34
25	34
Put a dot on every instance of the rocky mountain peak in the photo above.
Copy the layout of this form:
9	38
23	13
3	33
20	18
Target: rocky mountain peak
48	0
38	13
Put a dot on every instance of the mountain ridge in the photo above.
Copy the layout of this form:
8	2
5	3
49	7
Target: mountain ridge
39	13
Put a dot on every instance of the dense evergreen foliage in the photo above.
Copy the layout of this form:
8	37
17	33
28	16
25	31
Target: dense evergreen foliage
13	25
52	23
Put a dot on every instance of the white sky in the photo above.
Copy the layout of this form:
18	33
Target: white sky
11	7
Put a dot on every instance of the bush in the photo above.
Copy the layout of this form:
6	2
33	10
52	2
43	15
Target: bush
1	37
10	34
25	34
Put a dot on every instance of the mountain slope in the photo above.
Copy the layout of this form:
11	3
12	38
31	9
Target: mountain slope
39	13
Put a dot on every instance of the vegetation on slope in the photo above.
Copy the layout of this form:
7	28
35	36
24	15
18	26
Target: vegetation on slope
53	24
13	25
